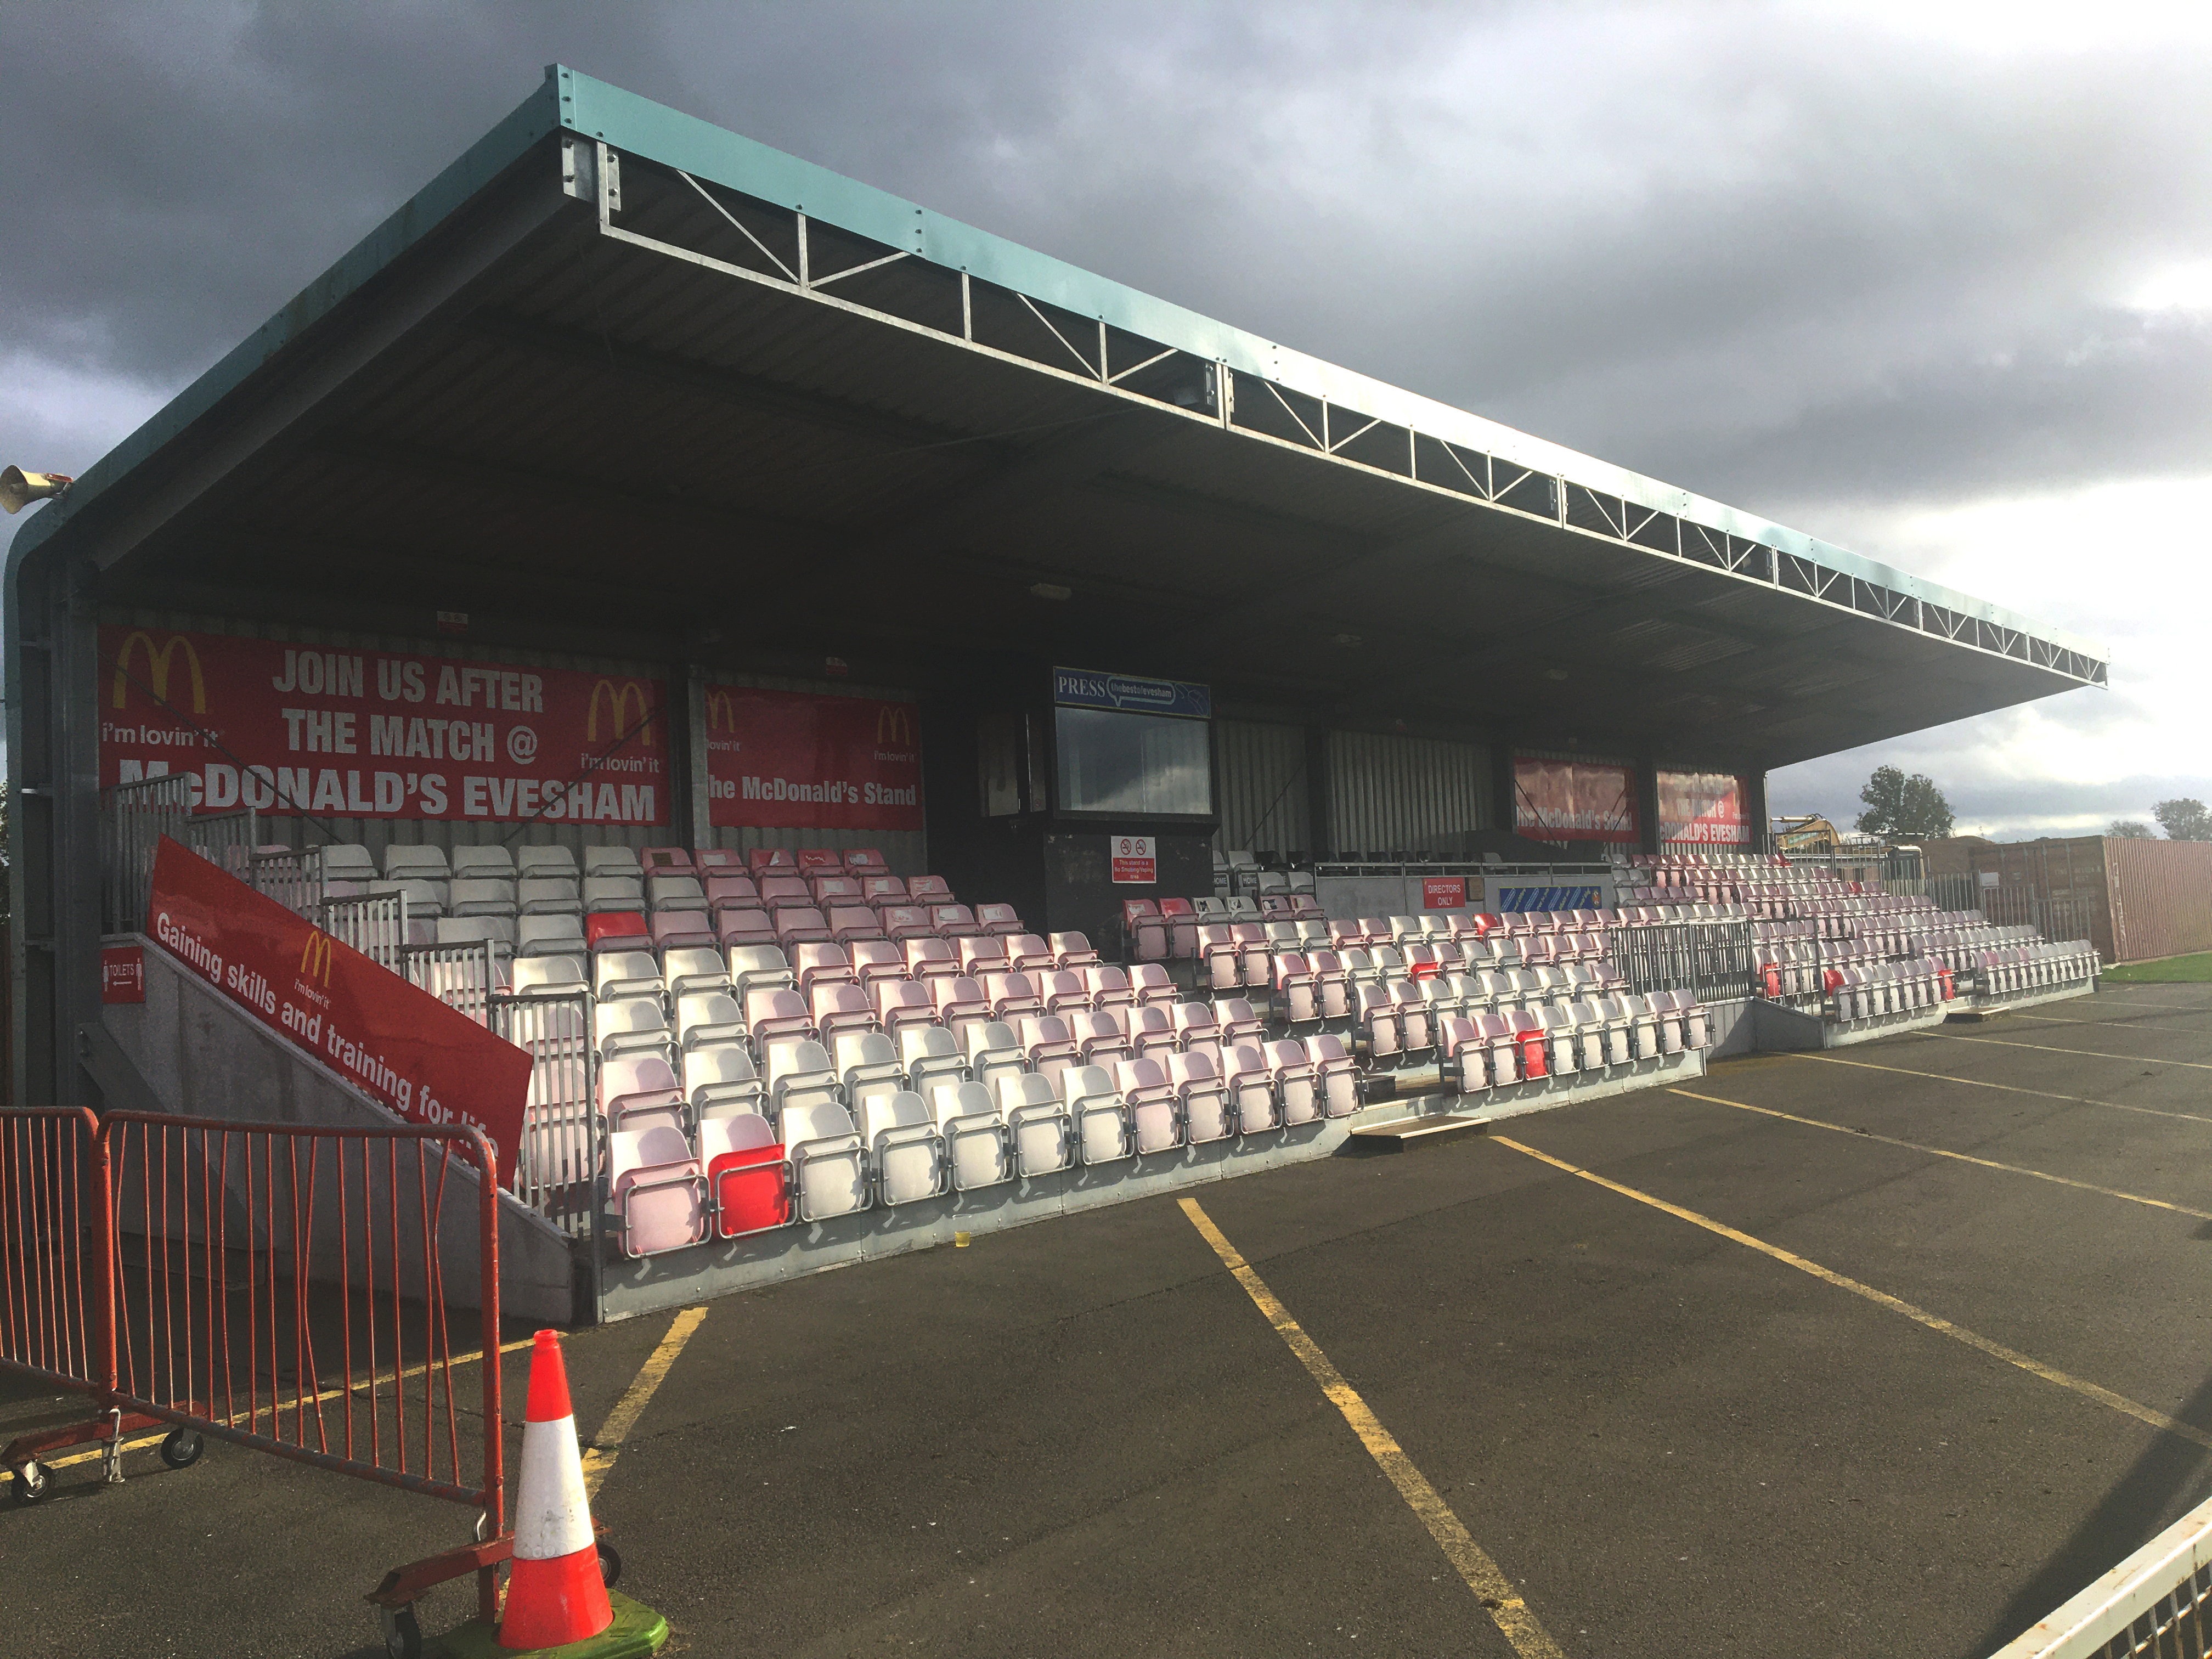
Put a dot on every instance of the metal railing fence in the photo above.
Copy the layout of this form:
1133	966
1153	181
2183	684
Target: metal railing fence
2013	905
278	1287
134	817
1718	960
2153	1606
376	927
556	1174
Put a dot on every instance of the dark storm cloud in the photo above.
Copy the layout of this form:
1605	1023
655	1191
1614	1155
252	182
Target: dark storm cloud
1778	258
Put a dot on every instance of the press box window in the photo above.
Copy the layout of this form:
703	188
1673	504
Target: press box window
1132	764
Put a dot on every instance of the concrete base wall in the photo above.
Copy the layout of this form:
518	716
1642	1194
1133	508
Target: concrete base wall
1780	1029
2006	1002
652	1283
200	1056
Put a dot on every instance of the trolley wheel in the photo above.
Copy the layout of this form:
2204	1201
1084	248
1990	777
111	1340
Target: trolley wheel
610	1563
402	1633
181	1448
28	1484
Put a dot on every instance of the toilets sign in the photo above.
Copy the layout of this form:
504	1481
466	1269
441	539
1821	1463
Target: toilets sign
1136	861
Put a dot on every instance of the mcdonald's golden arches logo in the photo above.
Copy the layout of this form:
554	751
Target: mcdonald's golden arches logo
315	958
895	725
619	716
721	712
160	661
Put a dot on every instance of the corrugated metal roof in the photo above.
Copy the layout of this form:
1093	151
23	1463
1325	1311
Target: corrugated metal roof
617	432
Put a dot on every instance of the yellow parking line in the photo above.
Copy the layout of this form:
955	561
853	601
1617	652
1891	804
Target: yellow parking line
2008	1087
606	1445
2086	1389
1938	1152
1483	1576
2086	1053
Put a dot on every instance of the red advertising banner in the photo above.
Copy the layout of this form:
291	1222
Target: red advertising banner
1443	892
1575	800
379	734
1704	808
399	1044
793	760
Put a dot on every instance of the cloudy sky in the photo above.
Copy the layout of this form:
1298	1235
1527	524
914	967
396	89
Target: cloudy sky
1932	281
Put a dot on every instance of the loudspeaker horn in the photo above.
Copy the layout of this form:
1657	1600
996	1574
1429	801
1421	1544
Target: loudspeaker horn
19	488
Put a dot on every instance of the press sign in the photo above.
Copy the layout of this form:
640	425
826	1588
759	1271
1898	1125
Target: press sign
1136	861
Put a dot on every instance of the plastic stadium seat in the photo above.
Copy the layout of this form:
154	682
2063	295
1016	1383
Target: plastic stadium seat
1038	1123
680	929
1240	1022
929	889
821	963
475	930
1026	953
864	859
730	890
664	857
998	919
1201	1097
755	966
800	924
954	921
813	858
633	1025
1414	1036
1144	932
719	1078
744	1174
930	958
613	858
1194	1023
875	958
959	1000
1181	924
906	921
1529	1048
835	890
868	1064
1071	951
979	956
631	1082
758	859
775	1010
493	863
480	896
1253	1100
1152	1031
1340	1078
850	923
657	1191
829	1168
709	1018
1108	986
415	863
1065	991
709	861
798	1072
674	892
905	1150
1378	1017
841	1007
549	976
735	929
1012	996
1149	983
975	1139
880	891
781	889
1155	1116
688	971
549	936
1296	1080
1294	987
545	861
1561	1045
1220	961
1048	1046
1100	1120
1101	1038
931	1057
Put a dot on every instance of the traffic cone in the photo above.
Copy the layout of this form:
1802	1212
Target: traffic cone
554	1592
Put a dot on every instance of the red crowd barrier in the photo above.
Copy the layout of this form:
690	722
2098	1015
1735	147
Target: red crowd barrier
277	1287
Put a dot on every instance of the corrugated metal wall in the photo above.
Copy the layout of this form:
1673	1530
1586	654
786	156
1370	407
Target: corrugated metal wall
1389	793
906	851
2161	897
1260	786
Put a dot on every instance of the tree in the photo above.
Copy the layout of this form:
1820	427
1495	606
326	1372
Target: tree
2184	819
2129	830
1900	808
